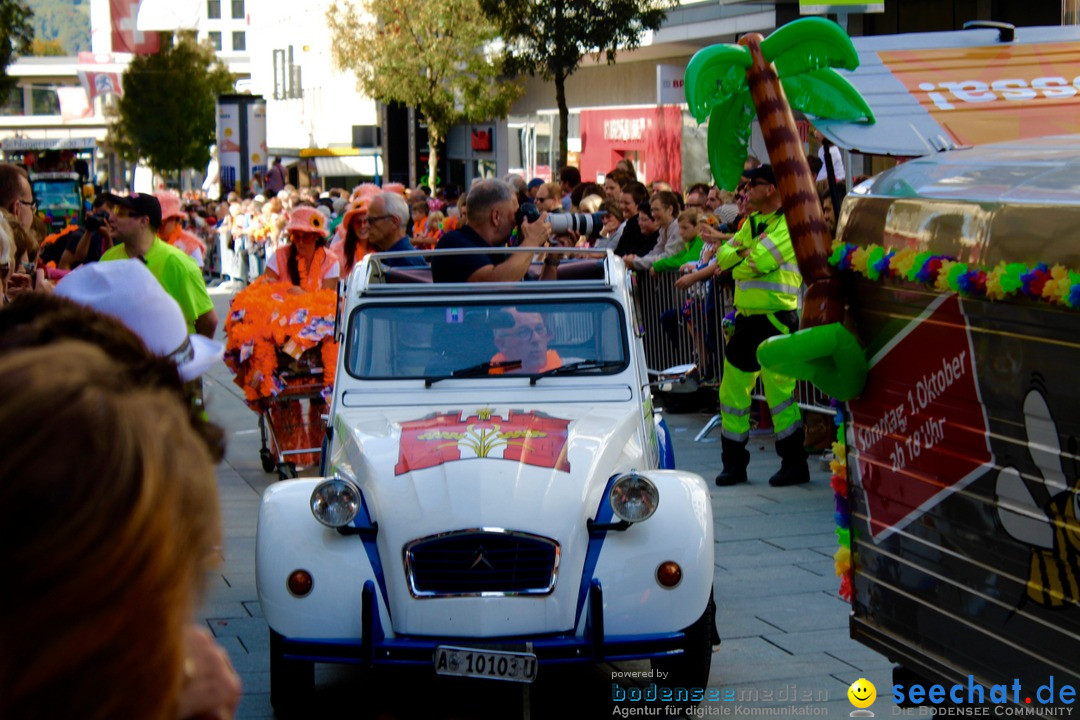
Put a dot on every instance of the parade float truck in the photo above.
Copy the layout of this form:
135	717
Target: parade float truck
963	272
59	168
481	519
945	321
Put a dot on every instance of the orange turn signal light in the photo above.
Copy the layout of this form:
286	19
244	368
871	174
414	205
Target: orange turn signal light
300	583
669	574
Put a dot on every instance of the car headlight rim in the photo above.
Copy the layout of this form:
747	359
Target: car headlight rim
633	497
335	502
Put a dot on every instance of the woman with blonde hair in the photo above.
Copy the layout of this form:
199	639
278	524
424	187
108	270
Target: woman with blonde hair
108	542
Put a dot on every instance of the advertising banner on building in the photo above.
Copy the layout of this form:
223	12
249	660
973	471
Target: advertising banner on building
256	138
228	141
241	140
670	85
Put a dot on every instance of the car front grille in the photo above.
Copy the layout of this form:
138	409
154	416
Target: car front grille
485	562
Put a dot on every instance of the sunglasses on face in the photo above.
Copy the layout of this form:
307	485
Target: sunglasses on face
524	334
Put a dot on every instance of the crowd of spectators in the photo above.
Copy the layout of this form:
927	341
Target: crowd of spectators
116	350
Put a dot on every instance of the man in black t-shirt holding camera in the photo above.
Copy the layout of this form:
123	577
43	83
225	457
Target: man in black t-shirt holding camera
89	246
492	208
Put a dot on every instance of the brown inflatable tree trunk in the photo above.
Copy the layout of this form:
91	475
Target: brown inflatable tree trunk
810	237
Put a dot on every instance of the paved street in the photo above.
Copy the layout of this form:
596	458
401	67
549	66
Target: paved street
784	629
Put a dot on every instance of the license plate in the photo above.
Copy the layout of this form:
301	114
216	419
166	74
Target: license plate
492	664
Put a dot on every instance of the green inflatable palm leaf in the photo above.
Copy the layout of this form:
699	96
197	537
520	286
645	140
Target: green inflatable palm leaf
803	52
809	44
729	136
825	93
713	76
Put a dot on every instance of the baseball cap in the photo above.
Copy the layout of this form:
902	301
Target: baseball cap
129	292
139	204
761	172
535	183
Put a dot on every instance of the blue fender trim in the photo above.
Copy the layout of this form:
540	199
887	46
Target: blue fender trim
368	532
604	514
663	441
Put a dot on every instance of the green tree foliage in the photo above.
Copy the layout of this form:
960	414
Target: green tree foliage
427	55
550	37
16	35
63	21
167	112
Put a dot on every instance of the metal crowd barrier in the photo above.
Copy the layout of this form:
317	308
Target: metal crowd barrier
696	336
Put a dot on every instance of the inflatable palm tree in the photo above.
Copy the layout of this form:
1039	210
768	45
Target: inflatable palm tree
791	68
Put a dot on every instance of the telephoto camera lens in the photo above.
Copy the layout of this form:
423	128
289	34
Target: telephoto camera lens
585	224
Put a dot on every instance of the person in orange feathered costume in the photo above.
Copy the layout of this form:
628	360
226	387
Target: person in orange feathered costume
172	228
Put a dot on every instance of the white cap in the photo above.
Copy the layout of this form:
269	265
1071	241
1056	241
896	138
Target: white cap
129	292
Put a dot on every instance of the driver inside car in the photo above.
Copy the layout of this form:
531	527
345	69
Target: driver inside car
526	340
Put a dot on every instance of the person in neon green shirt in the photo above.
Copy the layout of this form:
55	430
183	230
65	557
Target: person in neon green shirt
135	221
767	282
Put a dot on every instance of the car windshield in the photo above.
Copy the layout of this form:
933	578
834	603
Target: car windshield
437	341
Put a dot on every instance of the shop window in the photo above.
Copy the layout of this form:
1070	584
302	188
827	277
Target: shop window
13	103
213	9
239	41
287	81
43	101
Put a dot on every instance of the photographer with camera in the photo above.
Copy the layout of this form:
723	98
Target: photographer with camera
492	212
89	246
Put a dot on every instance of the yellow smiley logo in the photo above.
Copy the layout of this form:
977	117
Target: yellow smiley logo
862	693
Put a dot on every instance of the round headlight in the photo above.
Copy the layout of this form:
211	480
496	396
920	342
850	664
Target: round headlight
335	502
634	498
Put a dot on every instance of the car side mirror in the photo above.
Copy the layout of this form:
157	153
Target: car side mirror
677	379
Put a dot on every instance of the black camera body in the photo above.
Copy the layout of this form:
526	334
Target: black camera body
95	221
526	211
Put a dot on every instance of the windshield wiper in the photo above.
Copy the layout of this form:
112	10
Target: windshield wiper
574	367
474	370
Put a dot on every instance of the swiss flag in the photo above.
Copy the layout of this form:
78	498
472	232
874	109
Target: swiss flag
125	36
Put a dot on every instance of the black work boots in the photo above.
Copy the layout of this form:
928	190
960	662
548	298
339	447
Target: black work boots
735	458
793	468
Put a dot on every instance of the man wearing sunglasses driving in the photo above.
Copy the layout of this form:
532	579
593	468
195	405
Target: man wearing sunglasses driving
525	341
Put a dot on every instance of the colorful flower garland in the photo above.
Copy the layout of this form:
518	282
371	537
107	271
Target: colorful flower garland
268	318
839	484
1056	285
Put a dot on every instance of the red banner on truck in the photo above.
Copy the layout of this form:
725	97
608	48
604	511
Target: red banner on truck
919	432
